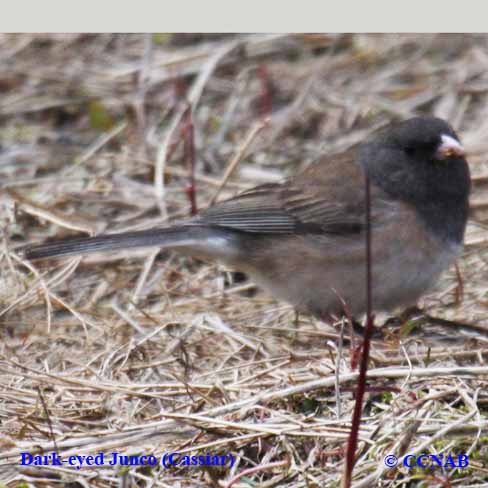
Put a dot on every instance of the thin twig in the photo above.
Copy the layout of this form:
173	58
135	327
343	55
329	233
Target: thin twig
239	155
340	350
48	417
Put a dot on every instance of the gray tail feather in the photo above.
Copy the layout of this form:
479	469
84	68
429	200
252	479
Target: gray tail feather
162	237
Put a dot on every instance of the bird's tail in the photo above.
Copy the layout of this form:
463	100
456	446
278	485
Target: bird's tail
198	239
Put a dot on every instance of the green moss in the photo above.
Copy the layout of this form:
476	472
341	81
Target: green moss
440	445
387	397
124	470
309	405
409	326
100	118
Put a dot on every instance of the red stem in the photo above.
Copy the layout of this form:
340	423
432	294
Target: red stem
189	146
265	99
358	406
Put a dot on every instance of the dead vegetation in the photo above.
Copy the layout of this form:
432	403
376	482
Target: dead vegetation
146	353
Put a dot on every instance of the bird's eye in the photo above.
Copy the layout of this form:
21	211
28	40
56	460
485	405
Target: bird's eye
409	150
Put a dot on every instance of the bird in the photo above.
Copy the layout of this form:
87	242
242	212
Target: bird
304	239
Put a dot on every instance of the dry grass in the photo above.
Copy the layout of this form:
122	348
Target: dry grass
142	353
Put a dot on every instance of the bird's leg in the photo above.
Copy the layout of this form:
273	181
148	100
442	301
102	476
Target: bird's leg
358	329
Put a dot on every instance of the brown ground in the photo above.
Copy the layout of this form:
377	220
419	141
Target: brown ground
138	353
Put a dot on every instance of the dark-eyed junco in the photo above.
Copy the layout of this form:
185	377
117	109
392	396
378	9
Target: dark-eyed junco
304	239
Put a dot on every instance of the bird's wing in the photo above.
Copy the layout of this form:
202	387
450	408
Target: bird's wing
322	200
258	210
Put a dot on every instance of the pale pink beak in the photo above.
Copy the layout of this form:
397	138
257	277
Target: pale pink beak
450	147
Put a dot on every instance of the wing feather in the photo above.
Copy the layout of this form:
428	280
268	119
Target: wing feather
282	209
